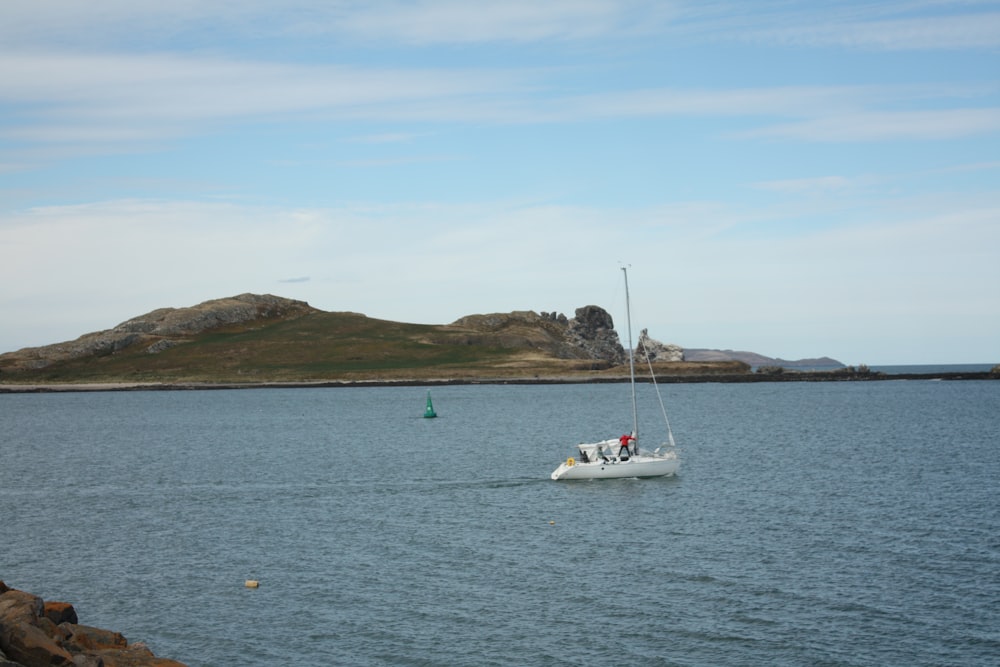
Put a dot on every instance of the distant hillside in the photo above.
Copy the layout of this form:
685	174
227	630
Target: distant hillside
161	329
756	360
264	338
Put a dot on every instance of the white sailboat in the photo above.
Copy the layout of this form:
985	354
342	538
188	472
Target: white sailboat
623	457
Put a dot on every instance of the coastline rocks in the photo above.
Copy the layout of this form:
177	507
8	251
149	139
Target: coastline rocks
35	633
60	612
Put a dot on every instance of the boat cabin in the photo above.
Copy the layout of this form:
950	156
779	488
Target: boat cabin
597	452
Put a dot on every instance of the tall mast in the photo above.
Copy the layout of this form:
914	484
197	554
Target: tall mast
631	361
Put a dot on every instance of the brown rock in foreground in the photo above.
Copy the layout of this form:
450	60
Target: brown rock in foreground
35	633
60	612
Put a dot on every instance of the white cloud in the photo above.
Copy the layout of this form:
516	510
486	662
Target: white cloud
386	138
916	125
419	22
456	21
800	185
854	26
978	30
113	101
850	25
186	88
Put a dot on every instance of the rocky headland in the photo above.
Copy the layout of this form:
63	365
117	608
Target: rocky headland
39	633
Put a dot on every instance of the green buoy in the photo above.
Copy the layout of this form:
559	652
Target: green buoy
429	410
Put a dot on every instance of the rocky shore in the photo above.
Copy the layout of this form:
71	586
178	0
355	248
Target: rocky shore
790	376
36	633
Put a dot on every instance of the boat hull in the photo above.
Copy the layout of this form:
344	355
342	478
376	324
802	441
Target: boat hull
634	467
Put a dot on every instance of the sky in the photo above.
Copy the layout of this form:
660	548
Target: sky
796	179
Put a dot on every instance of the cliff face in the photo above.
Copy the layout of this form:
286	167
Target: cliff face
162	328
593	331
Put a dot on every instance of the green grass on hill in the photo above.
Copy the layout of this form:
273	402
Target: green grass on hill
318	346
325	346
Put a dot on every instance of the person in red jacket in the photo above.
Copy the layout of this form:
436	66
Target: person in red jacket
624	451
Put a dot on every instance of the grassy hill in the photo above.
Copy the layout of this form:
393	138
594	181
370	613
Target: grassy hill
302	344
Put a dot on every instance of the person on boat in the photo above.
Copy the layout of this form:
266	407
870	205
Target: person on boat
624	451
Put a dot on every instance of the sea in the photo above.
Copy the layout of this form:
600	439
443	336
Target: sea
828	523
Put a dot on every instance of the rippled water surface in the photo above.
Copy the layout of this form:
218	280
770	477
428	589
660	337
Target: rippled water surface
811	524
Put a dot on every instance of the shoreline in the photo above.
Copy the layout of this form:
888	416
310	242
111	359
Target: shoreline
805	376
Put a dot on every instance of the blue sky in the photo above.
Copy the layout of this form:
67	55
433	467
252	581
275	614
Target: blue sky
792	178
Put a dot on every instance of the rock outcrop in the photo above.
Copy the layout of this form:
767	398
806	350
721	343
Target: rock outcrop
593	331
162	328
35	633
654	350
590	335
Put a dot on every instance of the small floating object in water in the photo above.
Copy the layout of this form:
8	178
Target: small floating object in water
252	583
429	410
552	523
